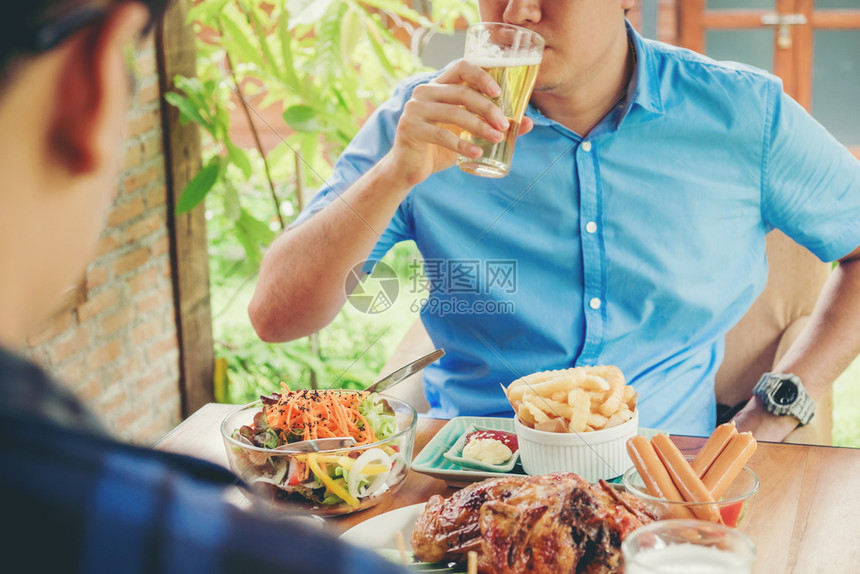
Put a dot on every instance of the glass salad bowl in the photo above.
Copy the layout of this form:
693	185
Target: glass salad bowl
265	443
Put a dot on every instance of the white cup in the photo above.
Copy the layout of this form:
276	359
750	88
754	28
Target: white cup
687	547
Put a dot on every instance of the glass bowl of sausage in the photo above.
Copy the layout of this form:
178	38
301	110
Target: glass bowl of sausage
733	509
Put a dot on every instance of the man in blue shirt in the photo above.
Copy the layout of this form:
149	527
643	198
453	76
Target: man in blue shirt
73	499
630	230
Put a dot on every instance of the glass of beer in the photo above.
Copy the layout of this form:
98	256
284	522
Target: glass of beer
511	55
687	547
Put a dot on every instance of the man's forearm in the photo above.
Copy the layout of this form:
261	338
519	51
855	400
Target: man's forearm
301	284
831	339
822	351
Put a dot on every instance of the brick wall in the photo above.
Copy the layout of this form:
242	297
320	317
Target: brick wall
114	341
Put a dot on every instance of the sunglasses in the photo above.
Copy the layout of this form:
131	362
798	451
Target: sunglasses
54	32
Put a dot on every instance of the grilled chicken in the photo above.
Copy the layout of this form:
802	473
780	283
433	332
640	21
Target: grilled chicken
555	523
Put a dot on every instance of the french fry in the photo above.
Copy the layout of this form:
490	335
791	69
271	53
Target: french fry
525	415
612	401
597	420
622	416
547	388
540	377
596	399
630	396
515	390
553	408
578	399
594	383
553	425
539	415
581	410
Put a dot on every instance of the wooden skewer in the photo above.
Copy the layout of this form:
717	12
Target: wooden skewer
472	562
398	536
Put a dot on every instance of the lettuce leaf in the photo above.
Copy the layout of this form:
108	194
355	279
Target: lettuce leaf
379	416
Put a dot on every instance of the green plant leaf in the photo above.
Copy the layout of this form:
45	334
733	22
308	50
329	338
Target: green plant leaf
257	230
379	51
307	12
199	186
308	147
289	69
187	110
232	204
447	12
351	28
281	153
201	102
401	9
237	41
329	63
304	357
196	90
302	118
206	12
253	234
239	158
269	63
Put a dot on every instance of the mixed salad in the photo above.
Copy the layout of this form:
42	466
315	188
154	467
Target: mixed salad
346	476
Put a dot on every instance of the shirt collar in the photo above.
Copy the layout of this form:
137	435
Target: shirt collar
643	83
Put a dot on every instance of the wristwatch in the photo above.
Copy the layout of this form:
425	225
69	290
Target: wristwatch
784	394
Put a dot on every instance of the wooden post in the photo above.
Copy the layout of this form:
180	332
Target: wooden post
188	242
691	29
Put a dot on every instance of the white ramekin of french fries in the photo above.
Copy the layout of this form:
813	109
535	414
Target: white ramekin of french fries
574	420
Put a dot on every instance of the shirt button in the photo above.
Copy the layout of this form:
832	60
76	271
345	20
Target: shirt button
594	303
591	227
586	146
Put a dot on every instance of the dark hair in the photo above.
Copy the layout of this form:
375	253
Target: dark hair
34	26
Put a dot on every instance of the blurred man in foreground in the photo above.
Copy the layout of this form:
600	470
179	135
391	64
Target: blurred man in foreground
73	499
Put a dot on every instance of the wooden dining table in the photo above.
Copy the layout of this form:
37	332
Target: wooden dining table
805	518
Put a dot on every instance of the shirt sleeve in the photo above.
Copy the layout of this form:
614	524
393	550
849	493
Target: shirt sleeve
811	181
373	141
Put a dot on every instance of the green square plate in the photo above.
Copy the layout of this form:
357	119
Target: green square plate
432	462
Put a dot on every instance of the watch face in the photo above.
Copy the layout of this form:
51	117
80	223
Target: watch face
786	394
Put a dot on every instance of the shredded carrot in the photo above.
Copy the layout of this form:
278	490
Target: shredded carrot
319	414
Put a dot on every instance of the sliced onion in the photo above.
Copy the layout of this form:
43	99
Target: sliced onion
281	467
264	480
377	482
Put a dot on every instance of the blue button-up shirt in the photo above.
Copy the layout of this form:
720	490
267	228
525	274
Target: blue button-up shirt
640	246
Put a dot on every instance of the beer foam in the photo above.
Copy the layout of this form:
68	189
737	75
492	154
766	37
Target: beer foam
486	59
